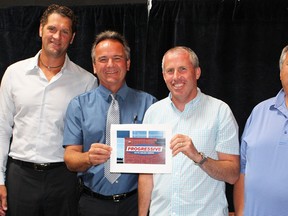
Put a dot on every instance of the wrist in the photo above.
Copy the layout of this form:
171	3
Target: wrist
202	160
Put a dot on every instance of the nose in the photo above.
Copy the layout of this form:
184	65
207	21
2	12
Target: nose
110	62
176	74
56	35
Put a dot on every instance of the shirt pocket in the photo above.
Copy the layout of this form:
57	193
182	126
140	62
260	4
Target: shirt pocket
284	139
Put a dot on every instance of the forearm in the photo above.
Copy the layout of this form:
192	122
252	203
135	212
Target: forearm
238	196
4	146
145	186
222	170
77	161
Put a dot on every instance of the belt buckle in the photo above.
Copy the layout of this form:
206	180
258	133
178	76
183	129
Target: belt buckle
117	197
39	167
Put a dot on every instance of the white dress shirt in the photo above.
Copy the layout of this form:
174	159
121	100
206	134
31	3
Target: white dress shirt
32	110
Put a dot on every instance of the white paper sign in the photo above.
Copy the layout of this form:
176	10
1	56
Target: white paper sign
141	148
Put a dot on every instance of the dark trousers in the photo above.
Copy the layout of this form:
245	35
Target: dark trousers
41	193
90	206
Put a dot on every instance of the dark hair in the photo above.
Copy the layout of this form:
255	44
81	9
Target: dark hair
63	11
112	35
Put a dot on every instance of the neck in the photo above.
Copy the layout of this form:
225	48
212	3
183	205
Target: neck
49	67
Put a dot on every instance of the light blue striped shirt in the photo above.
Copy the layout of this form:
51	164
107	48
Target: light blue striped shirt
188	190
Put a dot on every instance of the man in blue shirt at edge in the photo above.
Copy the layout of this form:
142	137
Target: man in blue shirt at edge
84	133
262	186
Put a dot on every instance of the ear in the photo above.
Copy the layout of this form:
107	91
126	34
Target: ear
72	39
128	64
198	72
94	69
40	30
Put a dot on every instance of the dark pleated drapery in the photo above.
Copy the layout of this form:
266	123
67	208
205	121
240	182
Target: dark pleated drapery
238	44
19	34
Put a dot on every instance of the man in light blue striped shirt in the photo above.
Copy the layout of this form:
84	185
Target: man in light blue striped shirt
204	145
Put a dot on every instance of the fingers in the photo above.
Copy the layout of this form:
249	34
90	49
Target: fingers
178	147
178	141
2	212
182	143
99	153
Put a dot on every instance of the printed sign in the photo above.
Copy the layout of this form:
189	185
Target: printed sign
140	148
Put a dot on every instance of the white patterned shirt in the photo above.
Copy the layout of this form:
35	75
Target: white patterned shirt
189	190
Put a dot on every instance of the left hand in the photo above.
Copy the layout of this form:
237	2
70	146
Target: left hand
184	144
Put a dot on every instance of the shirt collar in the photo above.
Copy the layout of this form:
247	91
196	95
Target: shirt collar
190	103
279	103
122	92
279	100
33	67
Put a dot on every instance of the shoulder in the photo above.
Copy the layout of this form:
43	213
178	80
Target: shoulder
88	96
265	104
18	69
141	94
78	70
23	64
159	105
262	108
214	103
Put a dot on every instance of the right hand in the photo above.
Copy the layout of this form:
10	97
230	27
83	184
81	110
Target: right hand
99	153
3	200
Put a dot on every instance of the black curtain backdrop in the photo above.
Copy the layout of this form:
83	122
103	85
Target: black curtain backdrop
238	43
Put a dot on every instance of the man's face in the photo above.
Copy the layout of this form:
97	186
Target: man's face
56	35
180	76
111	64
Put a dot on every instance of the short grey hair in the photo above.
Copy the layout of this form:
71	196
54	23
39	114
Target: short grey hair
192	55
283	56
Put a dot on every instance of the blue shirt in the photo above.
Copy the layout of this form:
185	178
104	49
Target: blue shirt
264	159
188	190
86	124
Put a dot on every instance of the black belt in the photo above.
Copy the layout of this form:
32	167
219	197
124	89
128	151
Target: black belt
38	166
115	197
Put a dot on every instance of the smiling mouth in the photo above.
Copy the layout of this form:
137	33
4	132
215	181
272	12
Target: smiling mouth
111	72
178	85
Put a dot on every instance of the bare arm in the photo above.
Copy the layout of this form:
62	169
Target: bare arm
3	200
226	168
145	186
79	161
238	196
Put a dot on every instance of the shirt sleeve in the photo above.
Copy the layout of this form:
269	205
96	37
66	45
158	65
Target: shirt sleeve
7	110
244	146
228	135
72	126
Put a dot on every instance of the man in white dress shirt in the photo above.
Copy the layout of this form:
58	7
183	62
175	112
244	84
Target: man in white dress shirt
34	96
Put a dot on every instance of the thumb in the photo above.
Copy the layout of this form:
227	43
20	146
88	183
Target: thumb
4	204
